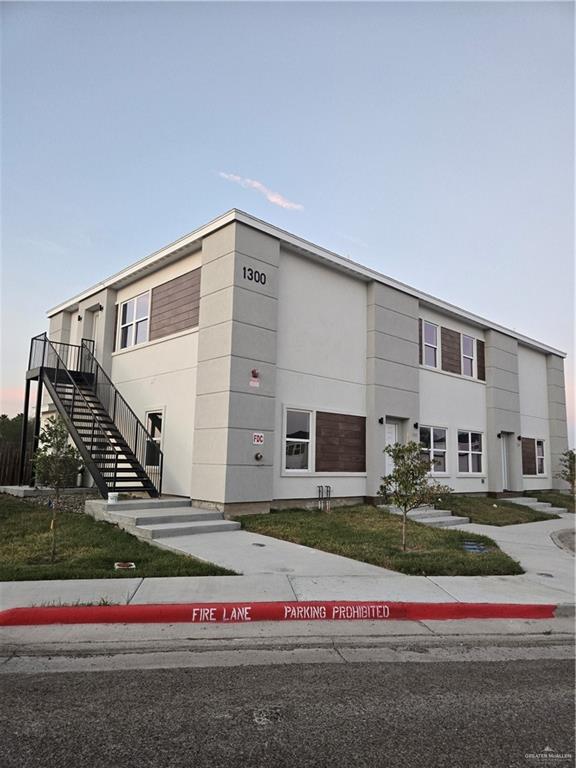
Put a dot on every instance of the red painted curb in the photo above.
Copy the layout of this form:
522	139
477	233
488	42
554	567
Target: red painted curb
216	613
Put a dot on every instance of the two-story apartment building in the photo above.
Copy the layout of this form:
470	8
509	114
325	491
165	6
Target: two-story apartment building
264	366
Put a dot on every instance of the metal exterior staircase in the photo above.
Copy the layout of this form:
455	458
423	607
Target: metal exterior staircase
118	451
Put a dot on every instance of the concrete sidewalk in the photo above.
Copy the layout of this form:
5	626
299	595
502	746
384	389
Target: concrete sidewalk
549	577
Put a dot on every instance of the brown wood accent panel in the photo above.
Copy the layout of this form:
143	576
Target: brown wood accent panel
420	350
451	354
340	442
175	305
528	456
481	362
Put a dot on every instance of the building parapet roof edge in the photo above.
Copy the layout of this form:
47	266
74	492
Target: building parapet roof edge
324	254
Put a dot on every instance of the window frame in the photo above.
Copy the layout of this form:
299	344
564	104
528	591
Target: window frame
469	453
311	441
540	458
430	451
432	346
134	322
471	357
147	414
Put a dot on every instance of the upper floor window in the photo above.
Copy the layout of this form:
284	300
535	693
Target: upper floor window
430	332
433	443
297	439
134	316
469	451
468	344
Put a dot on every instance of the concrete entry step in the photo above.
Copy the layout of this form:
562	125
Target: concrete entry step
445	522
163	530
171	515
149	504
538	506
436	518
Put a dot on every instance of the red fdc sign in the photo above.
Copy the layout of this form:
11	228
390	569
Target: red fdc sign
223	613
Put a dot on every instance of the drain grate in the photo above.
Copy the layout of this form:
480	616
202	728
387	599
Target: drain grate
474	546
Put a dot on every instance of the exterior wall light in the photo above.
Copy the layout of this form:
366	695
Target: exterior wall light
381	420
416	425
499	435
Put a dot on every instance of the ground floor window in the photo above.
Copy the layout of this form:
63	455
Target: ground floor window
469	452
154	420
433	442
297	440
533	456
321	441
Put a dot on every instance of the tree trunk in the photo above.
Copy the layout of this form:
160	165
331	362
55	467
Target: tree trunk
404	516
53	526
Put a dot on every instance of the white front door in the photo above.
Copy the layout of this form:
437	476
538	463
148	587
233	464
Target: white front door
391	438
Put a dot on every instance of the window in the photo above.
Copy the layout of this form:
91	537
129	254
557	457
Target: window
154	421
430	344
433	442
540	457
134	320
297	455
469	452
533	462
468	355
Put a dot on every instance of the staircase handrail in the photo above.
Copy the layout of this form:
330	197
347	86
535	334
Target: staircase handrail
77	390
118	395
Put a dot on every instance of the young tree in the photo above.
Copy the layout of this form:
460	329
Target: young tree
57	464
568	469
409	485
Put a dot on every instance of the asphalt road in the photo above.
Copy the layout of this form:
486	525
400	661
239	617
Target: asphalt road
457	714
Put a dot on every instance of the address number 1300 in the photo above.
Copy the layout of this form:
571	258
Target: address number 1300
254	275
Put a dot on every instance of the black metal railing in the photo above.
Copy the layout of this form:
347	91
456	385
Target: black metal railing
43	353
59	361
139	440
96	440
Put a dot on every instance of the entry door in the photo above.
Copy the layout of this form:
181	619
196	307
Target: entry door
391	438
94	332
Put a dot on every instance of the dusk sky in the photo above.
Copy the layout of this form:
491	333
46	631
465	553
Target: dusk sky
430	141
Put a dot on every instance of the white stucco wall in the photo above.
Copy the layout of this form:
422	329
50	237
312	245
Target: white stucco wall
534	408
455	403
161	375
321	361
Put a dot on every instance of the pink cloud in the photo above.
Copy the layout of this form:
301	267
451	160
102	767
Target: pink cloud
11	400
273	197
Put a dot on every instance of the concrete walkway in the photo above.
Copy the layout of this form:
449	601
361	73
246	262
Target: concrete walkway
285	572
251	553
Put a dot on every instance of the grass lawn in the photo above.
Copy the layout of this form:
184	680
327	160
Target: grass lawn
489	511
373	536
556	499
85	548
